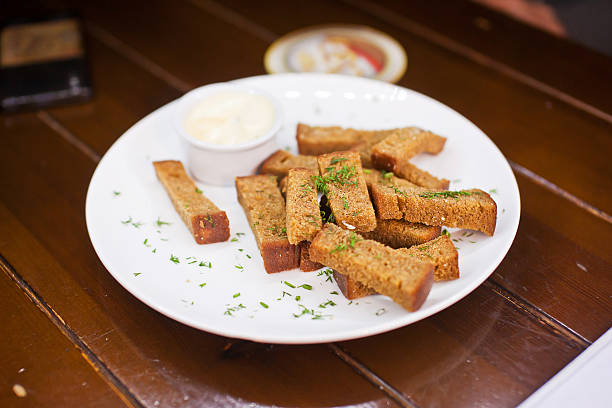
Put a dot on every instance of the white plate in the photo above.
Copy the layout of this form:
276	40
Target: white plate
469	158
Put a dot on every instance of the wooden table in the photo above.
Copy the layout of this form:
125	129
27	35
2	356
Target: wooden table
72	336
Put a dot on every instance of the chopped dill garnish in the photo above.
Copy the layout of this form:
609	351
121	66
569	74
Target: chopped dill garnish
328	273
230	310
263	304
493	191
335	160
162	223
444	194
197	190
239	267
248	256
236	295
286	293
137	273
289	284
338	248
328	303
116	193
386	174
234	240
305	286
333	293
297	298
202	284
174	259
445	232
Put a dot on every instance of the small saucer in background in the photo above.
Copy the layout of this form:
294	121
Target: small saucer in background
339	49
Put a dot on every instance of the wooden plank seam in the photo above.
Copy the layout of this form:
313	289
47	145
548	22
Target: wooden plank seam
443	41
92	359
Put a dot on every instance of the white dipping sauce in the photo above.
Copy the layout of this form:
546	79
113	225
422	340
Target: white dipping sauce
230	117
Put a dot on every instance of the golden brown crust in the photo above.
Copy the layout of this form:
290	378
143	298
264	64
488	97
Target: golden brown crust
206	222
347	190
265	210
303	214
401	234
306	264
442	253
472	209
419	176
279	256
317	140
350	288
403	278
279	163
405	144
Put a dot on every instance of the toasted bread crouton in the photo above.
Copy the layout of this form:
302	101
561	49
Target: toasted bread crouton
317	140
350	288
265	210
306	264
403	278
401	234
442	253
418	176
384	177
346	190
303	214
206	222
471	209
279	163
403	145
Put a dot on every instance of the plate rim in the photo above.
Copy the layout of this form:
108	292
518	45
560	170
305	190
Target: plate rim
343	335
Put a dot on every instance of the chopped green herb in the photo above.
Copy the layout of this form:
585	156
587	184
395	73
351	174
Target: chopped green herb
445	232
335	160
154	250
286	293
298	297
328	303
289	284
161	223
338	248
128	221
240	267
210	220
240	249
192	262
137	273
236	295
248	256
116	193
333	293
328	273
230	310
386	174
145	242
493	191
197	190
240	234
263	304
444	194
234	240
367	171
174	259
202	284
305	286
354	238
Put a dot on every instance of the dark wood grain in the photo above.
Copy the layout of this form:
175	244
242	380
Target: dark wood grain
530	127
479	352
38	357
159	359
477	32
